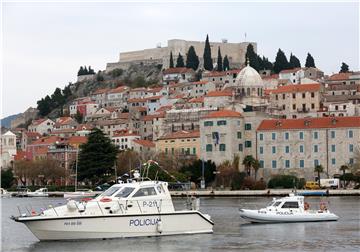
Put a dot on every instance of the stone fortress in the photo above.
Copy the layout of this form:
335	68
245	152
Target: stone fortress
161	55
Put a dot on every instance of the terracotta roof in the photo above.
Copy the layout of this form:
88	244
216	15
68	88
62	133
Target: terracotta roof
197	100
20	155
219	93
176	70
145	143
290	70
136	100
84	127
296	88
46	140
151	117
33	134
101	91
154	97
181	134
138	89
141	109
77	140
164	108
340	76
222	73
118	89
273	76
155	89
39	121
123	134
223	113
310	123
199	82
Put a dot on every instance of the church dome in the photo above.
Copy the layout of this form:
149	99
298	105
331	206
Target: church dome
248	76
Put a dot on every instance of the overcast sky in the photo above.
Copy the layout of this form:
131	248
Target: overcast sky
45	43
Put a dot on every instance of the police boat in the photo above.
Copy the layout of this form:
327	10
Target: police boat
288	209
134	208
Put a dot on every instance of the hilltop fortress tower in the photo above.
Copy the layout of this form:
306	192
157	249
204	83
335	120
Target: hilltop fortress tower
161	55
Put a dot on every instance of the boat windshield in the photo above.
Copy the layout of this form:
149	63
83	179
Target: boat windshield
110	191
124	192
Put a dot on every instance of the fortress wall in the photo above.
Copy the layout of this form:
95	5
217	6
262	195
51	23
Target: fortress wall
146	54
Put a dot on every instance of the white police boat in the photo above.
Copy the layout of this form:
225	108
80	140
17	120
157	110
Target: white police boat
288	209
136	208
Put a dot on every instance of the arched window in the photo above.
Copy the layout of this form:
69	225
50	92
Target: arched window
248	91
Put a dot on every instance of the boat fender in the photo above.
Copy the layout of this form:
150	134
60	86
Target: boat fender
71	205
114	208
159	227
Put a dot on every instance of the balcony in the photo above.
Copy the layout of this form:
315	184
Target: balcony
303	110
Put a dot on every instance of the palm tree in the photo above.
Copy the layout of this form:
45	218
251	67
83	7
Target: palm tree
319	169
256	166
343	168
248	162
235	162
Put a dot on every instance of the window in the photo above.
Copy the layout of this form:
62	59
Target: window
261	150
194	150
172	150
312	106
290	204
247	126
239	135
350	134
301	163
301	135
351	161
166	150
301	148
126	191
316	135
147	191
294	106
273	149
332	134
286	136
316	148
287	163
316	162
351	148
287	149
273	164
333	148
240	147
312	94
283	96
247	144
261	163
222	147
261	136
333	161
303	95
273	136
209	148
208	123
294	95
222	122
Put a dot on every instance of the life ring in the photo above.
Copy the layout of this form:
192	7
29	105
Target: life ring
106	200
306	206
86	199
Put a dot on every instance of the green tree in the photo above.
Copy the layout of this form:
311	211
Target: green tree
344	168
194	171
319	169
344	68
266	64
309	61
252	57
281	62
7	178
226	64
57	98
180	61
248	162
81	71
78	117
256	167
91	71
171	64
86	71
192	60
294	62
208	64
219	61
97	157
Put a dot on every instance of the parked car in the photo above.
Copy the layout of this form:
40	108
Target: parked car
312	185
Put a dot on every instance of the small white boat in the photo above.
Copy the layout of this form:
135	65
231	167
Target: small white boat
288	209
133	209
42	192
80	193
4	193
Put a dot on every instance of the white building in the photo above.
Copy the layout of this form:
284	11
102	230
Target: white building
41	126
296	146
178	75
117	97
8	149
294	75
124	140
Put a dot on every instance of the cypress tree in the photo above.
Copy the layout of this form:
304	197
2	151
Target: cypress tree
309	61
180	61
344	68
81	71
267	65
226	64
171	64
252	57
219	61
281	62
208	64
294	61
192	60
86	71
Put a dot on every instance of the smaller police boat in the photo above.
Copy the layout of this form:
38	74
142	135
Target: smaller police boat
292	208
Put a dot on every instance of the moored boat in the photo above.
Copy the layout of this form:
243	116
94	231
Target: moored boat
4	193
42	192
79	193
137	208
288	209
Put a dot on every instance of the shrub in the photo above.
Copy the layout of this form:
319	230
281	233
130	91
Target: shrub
117	72
283	181
248	183
238	180
259	185
99	77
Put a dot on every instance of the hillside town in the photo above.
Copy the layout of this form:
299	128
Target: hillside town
289	121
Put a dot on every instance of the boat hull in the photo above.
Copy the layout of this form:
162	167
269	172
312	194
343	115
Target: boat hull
118	226
278	217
